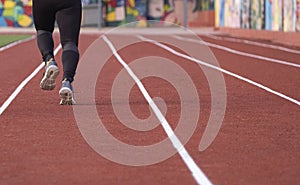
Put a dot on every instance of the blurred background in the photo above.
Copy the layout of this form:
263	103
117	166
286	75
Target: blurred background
274	15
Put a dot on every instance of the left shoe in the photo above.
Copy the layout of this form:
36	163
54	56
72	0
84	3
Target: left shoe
66	93
50	75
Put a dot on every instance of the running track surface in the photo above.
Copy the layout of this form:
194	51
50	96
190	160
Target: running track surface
258	143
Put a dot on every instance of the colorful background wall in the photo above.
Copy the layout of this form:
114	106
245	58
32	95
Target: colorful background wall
124	11
275	15
118	12
16	13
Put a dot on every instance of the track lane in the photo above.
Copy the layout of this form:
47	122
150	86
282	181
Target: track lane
260	149
261	43
46	147
254	128
279	77
197	173
16	62
258	50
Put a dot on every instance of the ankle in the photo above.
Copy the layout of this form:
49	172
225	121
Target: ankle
67	79
47	58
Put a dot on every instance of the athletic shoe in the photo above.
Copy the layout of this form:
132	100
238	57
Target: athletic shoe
66	93
51	72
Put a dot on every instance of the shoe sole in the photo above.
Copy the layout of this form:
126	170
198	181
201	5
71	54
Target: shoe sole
66	96
48	81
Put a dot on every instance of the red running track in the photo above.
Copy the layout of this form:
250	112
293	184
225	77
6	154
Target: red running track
258	142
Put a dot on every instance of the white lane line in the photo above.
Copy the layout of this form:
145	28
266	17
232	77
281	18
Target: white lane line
22	85
197	173
254	43
221	70
239	52
16	43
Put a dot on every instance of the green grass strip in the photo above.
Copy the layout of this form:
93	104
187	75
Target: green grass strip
7	39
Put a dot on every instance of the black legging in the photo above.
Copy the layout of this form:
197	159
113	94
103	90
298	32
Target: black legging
67	14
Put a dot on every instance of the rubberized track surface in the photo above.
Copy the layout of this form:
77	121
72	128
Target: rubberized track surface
259	141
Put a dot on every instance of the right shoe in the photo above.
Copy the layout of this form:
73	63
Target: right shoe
50	75
66	93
